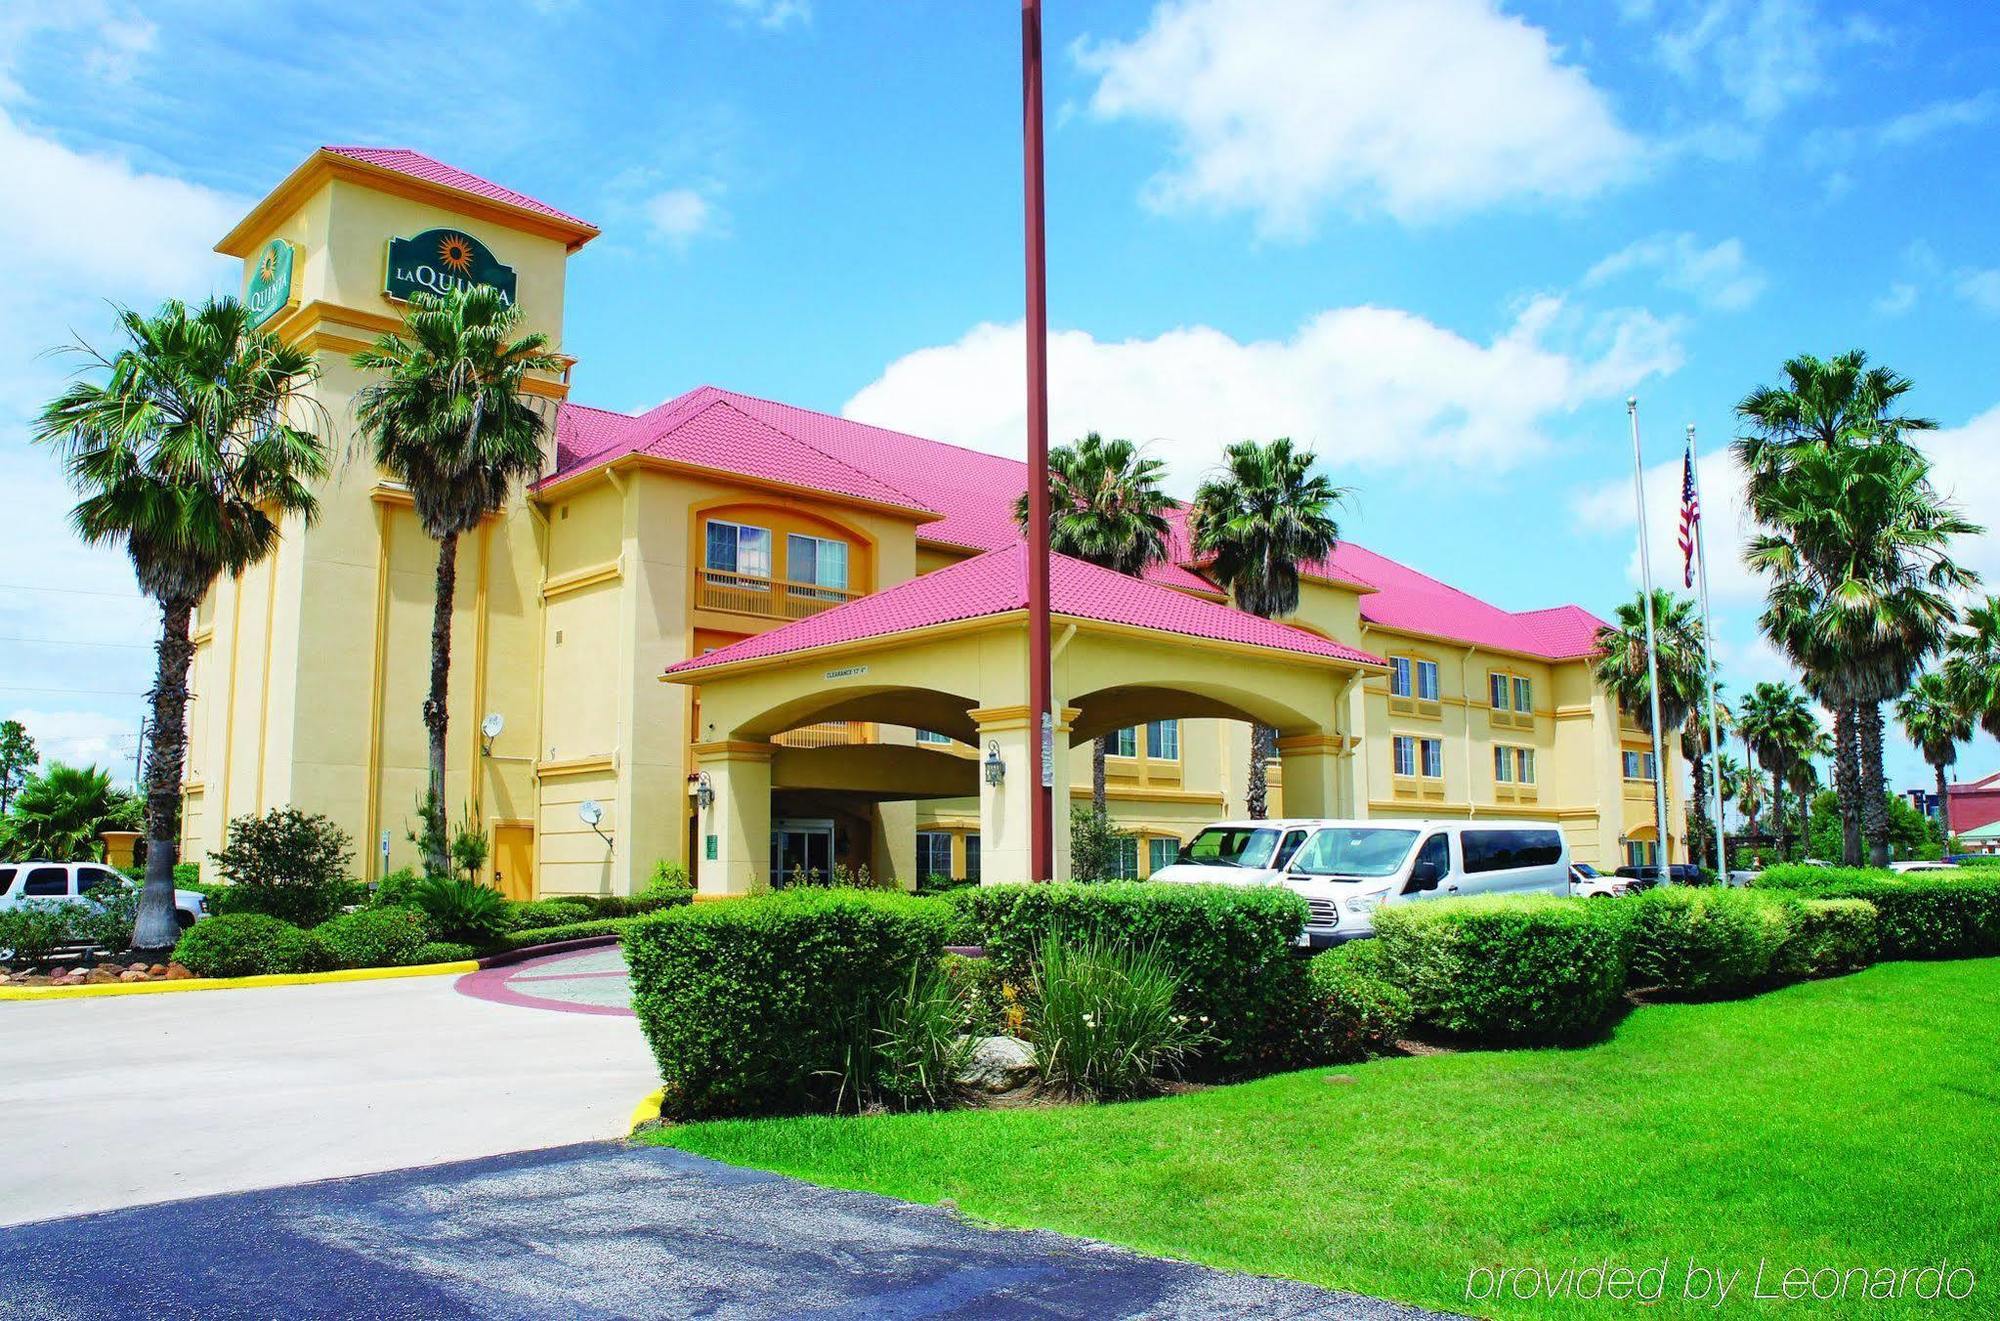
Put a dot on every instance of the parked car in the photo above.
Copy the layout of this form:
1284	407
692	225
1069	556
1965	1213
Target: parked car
1916	865
69	882
1586	882
1346	869
1678	873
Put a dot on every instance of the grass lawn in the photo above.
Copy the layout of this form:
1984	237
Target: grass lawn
1846	1123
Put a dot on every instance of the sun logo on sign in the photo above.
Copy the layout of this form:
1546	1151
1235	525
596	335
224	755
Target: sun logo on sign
455	251
267	269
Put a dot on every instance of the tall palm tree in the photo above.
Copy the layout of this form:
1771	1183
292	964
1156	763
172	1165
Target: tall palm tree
1776	723
1696	748
1105	506
1972	664
59	814
449	418
196	443
1621	661
1934	716
1730	776
1803	780
1256	520
1855	546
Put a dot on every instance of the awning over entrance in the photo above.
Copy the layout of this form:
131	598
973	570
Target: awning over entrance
947	652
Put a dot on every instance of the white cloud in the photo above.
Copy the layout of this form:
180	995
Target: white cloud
772	15
1937	117
1420	108
1364	386
1902	296
1762	54
1720	276
678	216
1981	288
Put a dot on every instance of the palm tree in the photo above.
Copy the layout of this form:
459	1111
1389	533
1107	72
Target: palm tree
1803	780
1729	774
58	815
1973	664
449	418
1696	749
1105	506
199	440
1934	716
1776	723
1855	545
1621	662
1256	520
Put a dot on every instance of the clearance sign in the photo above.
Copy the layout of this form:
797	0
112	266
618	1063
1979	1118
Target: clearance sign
440	260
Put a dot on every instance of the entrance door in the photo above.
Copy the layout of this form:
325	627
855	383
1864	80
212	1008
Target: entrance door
514	861
799	848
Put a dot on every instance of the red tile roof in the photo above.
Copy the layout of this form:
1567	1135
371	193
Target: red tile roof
974	493
997	582
419	166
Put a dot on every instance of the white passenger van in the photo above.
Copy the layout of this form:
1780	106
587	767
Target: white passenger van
1346	869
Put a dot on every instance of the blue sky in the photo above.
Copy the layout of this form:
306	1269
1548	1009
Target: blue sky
1439	241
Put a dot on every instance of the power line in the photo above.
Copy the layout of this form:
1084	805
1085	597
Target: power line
68	591
72	692
80	642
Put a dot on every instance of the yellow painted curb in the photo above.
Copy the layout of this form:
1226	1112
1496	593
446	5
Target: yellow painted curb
232	983
647	1111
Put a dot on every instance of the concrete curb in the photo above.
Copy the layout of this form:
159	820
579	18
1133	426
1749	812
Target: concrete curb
647	1111
234	983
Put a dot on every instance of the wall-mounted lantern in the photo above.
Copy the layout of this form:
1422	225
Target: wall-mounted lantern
701	790
996	769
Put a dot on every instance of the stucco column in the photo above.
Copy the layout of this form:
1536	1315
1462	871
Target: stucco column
1004	808
1317	774
733	848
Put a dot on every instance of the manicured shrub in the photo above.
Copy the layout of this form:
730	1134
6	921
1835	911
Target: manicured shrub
440	951
31	932
1233	946
247	945
1527	970
1712	942
374	937
286	864
546	913
398	888
187	875
1832	936
632	905
1361	1013
1924	915
461	910
597	926
752	1005
1104	1020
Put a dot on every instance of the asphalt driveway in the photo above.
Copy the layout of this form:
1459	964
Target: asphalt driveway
121	1100
599	1230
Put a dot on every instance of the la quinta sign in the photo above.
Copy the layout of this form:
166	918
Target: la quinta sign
440	260
270	288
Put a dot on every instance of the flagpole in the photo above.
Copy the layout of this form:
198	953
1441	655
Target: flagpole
1041	813
1708	659
1652	652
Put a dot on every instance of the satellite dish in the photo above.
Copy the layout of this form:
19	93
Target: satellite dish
492	725
591	811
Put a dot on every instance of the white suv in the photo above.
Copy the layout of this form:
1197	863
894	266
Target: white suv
23	883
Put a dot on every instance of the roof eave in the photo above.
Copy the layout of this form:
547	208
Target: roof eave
632	459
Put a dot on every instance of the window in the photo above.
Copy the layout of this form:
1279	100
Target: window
1433	750
1288	846
1435	858
1503	765
1232	846
1501	850
1363	851
1126	868
1639	853
89	878
934	853
1161	850
1524	765
1406	755
739	548
6	879
1524	696
1427	681
1124	743
46	883
1496	688
972	856
1513	765
1399	676
1638	765
931	737
1163	740
820	561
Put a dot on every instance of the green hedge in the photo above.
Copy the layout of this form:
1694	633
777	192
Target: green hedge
441	951
533	913
755	1005
1528	970
1833	936
304	905
374	937
1921	915
249	945
1361	1013
600	926
1708	942
1233	944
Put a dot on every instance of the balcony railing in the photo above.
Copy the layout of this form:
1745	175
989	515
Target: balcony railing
827	734
748	594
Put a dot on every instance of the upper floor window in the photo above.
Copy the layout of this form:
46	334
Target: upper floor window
1497	691
1124	743
1163	740
1399	676
819	561
1427	681
1638	765
739	548
1433	758
1419	756
1513	765
1503	765
932	736
1524	696
1406	754
1409	677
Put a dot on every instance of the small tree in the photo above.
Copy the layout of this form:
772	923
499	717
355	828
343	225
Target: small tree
286	863
1095	843
17	760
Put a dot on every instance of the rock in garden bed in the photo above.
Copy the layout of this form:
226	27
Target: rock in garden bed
999	1064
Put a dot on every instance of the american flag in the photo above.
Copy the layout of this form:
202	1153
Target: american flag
1690	518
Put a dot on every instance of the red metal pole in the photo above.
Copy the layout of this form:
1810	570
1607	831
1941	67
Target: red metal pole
1040	829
